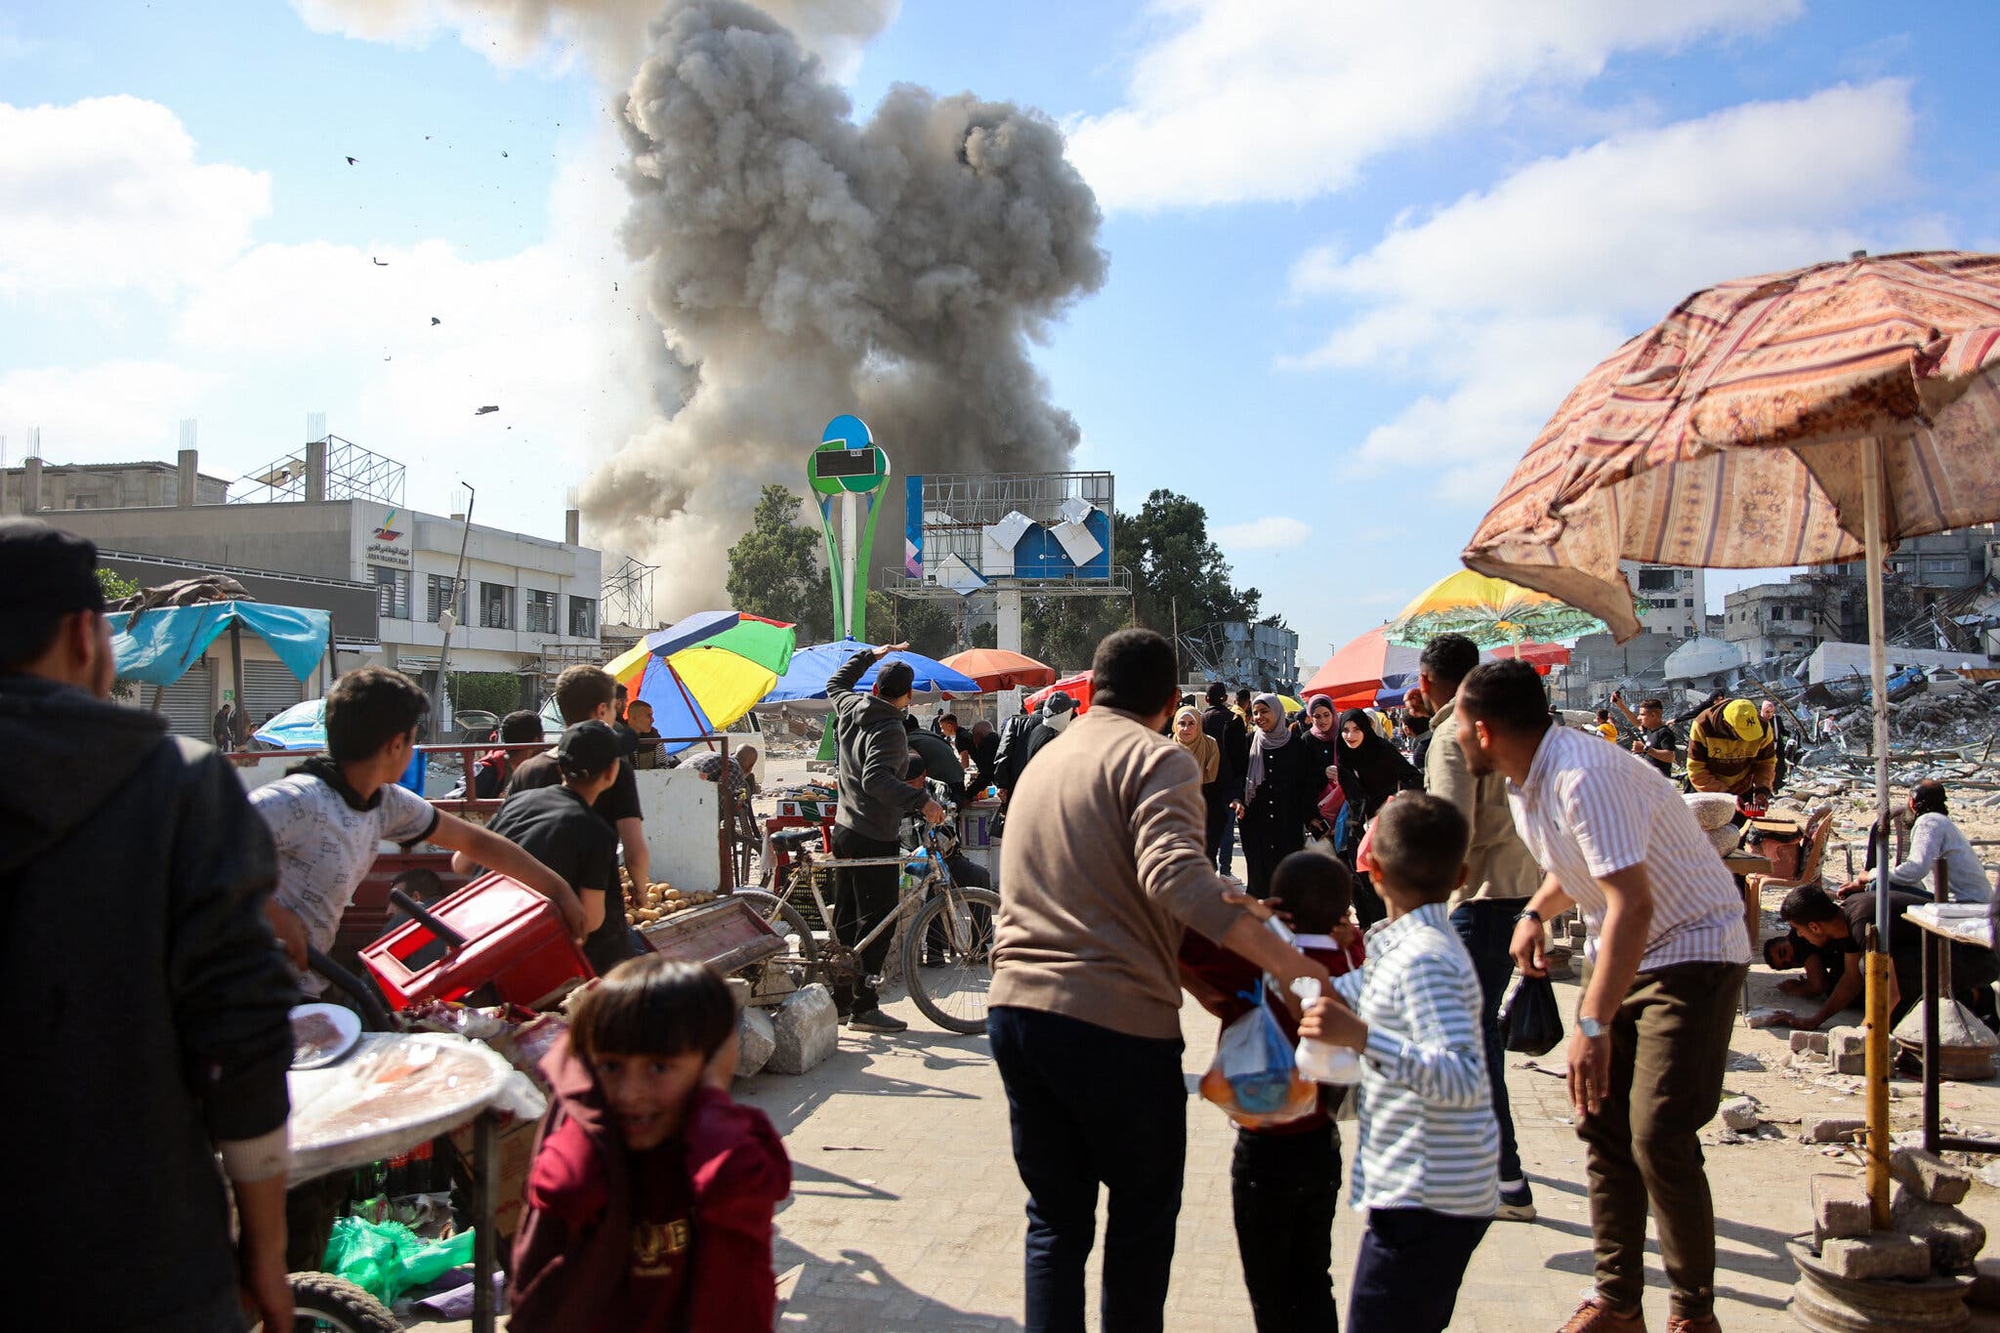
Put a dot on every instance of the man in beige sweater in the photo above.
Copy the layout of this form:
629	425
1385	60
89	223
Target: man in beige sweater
1103	867
1500	877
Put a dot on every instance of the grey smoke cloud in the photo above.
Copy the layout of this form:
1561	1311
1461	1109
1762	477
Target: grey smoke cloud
801	264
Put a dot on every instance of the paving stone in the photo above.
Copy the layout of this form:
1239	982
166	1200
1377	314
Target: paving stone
1847	1048
1932	1178
1953	1239
1832	1128
1815	1042
1741	1113
1885	1255
805	1031
756	1038
1840	1208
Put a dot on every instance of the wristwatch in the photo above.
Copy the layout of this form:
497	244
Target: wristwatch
1591	1028
1529	914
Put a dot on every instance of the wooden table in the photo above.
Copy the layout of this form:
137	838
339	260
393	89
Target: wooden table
1943	928
1744	864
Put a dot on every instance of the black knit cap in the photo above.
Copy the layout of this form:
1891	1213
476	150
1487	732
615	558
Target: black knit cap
46	571
586	748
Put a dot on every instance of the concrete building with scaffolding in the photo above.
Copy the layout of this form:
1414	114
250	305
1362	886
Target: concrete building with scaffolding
327	527
1673	600
1263	658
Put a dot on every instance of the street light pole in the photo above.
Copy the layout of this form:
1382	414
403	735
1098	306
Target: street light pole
448	617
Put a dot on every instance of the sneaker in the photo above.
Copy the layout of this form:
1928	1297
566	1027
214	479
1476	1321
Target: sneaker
1594	1316
874	1020
1683	1323
1516	1204
933	960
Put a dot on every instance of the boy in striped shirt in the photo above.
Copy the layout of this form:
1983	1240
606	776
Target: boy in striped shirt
1428	1170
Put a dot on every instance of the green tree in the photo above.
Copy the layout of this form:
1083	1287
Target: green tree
1178	574
497	692
775	569
115	585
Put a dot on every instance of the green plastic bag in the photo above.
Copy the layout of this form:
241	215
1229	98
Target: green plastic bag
386	1259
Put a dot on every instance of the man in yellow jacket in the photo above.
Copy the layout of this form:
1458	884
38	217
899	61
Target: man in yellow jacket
1730	749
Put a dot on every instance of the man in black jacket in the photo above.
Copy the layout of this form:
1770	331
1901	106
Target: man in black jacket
1225	727
874	750
148	994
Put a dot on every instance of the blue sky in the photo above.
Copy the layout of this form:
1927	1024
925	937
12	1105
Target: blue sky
1356	255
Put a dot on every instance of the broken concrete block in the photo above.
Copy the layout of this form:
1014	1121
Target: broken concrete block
1985	1293
1848	1049
1740	1113
1953	1239
756	1038
1814	1042
1885	1255
805	1030
1933	1179
1840	1208
1832	1128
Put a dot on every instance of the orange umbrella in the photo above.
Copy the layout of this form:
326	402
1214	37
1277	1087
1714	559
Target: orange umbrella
1795	418
997	669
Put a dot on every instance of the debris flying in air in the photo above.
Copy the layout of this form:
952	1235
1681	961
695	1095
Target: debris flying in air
350	161
490	407
435	321
378	263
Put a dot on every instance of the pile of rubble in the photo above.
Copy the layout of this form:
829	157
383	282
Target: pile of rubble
1960	718
1928	1235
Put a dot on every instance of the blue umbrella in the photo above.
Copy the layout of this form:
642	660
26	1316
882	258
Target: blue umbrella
300	727
807	676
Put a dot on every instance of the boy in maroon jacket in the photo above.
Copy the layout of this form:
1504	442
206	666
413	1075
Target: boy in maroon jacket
650	1198
1284	1180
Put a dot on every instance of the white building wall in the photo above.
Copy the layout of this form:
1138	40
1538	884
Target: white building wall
1678	611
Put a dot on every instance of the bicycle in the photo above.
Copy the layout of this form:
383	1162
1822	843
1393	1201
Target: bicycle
946	929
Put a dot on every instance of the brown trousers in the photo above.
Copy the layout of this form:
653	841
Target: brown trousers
1669	1048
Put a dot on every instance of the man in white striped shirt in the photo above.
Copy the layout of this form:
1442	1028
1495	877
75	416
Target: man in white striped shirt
1652	1034
1428	1168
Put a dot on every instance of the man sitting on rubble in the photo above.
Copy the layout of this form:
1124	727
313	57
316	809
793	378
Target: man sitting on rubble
1731	750
1823	923
1933	838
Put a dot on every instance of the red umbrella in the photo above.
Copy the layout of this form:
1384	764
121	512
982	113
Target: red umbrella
1076	687
1353	676
1541	655
997	669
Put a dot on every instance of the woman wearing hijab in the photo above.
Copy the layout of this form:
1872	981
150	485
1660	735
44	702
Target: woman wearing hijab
1371	771
1280	793
1214	790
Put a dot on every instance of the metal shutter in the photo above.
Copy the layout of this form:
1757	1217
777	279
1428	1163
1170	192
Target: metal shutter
268	687
187	703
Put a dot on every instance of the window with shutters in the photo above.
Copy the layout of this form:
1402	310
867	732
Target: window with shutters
438	597
392	590
496	604
583	617
541	612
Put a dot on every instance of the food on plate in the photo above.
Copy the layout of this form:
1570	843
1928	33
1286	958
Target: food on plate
314	1037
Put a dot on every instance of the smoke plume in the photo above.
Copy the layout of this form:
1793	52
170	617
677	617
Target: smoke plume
801	265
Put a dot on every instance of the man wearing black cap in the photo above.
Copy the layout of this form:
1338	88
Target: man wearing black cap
137	955
555	825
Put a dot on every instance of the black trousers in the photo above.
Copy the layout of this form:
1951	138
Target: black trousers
1217	831
862	897
1284	1187
1407	1274
1090	1106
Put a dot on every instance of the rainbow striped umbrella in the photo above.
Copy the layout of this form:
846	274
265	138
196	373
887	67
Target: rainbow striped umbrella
705	671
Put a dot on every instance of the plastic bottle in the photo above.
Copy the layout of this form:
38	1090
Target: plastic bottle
1321	1061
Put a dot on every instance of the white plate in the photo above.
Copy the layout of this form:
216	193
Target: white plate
346	1023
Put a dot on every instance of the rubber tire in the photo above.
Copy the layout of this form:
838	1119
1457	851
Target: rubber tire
770	906
913	956
323	1296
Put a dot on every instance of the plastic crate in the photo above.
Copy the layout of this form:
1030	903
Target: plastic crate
515	949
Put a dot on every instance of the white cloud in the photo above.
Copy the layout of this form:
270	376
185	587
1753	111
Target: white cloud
106	194
112	411
1273	532
1286	99
612	33
1505	298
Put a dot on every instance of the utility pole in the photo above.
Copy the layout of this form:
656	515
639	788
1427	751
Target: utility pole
448	617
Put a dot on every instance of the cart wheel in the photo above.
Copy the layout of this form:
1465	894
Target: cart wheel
323	1302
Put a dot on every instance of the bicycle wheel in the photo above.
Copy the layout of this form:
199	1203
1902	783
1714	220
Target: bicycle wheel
956	928
323	1303
799	964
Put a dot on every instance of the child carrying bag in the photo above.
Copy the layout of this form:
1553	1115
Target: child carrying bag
1254	1077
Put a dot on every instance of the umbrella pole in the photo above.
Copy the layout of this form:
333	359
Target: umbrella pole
1877	959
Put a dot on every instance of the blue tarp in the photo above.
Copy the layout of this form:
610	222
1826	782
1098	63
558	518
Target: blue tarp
812	666
157	647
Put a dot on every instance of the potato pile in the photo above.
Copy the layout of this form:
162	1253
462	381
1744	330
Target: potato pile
660	901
